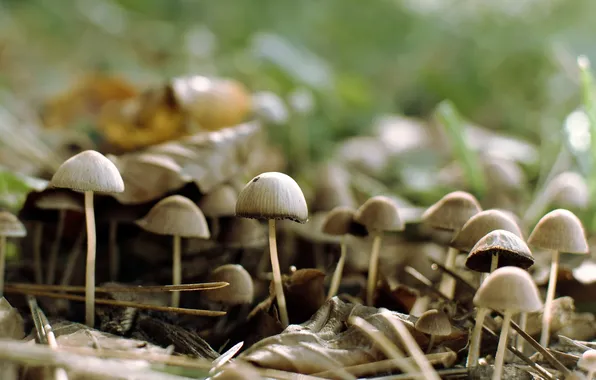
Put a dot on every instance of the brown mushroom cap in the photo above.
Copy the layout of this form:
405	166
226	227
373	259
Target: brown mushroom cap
509	288
434	322
88	171
272	195
452	211
512	251
481	224
241	288
379	213
560	230
11	226
219	202
339	221
177	216
60	200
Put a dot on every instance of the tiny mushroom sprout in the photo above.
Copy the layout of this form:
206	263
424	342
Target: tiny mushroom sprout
63	202
89	172
588	363
451	213
512	291
179	217
435	323
339	222
218	203
497	249
10	226
378	214
558	231
241	288
272	196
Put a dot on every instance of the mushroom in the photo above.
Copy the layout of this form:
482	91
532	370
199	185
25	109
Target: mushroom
62	202
378	214
498	248
242	233
558	231
510	290
89	172
339	222
451	213
588	363
10	226
218	203
435	323
241	288
179	217
273	195
312	232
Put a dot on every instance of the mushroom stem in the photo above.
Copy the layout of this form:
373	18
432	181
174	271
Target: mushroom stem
51	275
176	269
494	262
550	296
114	251
420	305
500	357
2	263
523	321
373	267
431	343
336	280
474	350
447	285
90	269
37	238
279	290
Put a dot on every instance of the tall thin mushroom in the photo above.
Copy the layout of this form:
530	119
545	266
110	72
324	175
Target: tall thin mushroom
89	172
378	214
179	217
272	196
218	203
558	231
10	226
510	290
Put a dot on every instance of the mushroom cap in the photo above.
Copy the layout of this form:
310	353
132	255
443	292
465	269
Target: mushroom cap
588	361
379	213
177	216
11	226
88	171
510	248
60	200
339	221
242	233
219	202
434	322
241	288
509	288
272	195
452	211
569	189
313	229
560	230
481	224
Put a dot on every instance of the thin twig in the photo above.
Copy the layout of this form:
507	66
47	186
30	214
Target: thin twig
123	289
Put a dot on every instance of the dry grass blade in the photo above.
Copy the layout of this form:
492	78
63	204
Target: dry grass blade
451	373
226	357
123	289
385	345
70	297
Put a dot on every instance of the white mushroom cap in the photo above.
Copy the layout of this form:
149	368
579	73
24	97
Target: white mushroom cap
272	195
11	226
560	230
177	216
509	288
88	171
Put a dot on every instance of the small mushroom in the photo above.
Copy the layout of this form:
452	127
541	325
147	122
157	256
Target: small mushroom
481	224
558	231
242	233
272	196
218	203
62	202
588	363
179	217
435	323
241	288
10	226
339	222
499	248
510	290
451	213
89	172
378	214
